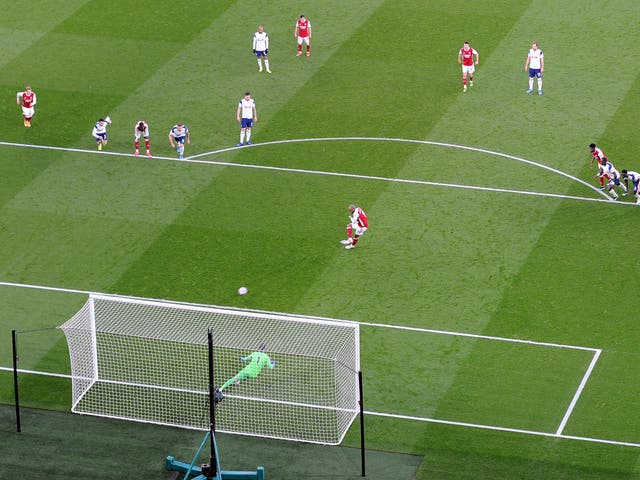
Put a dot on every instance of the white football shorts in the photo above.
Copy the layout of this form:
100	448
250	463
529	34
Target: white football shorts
468	69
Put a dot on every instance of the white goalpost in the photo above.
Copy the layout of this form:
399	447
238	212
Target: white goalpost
147	361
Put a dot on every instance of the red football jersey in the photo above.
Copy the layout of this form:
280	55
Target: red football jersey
27	99
360	218
303	27
467	56
599	156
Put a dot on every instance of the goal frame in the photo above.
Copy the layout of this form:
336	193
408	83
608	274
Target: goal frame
89	379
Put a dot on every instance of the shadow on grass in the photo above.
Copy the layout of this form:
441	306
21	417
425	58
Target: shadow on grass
57	445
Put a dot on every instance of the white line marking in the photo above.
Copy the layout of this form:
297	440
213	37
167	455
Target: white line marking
422	142
406	140
43	287
576	396
80	150
194	159
37	372
367	324
504	429
473	335
421	419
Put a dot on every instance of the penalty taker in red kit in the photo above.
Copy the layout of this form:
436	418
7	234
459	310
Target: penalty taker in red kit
356	227
256	363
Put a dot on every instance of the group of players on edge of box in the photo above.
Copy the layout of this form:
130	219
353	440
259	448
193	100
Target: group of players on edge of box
610	177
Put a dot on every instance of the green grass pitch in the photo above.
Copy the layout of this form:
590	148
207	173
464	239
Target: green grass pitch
506	240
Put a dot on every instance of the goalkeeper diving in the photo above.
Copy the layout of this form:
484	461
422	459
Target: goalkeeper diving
256	362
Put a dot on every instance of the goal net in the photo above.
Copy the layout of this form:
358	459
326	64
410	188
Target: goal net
147	361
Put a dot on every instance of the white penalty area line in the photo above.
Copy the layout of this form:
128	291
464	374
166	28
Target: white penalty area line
77	150
195	159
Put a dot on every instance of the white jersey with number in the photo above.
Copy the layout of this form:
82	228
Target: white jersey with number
247	106
260	41
535	58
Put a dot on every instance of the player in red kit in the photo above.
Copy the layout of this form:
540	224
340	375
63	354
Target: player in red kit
302	33
141	130
601	159
466	57
356	227
28	100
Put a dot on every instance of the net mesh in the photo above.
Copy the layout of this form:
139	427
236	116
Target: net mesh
148	361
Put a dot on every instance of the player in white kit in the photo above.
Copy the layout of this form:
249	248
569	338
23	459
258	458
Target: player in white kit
261	48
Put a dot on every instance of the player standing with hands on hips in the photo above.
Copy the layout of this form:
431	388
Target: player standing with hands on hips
261	48
246	114
302	33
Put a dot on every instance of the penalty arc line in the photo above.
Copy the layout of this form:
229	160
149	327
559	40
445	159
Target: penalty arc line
407	140
422	142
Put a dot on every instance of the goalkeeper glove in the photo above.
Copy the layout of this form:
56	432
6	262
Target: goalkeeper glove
273	363
218	396
243	359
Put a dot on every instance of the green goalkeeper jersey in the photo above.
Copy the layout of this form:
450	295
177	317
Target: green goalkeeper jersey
257	361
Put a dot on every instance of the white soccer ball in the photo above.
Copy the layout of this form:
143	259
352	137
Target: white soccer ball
243	290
